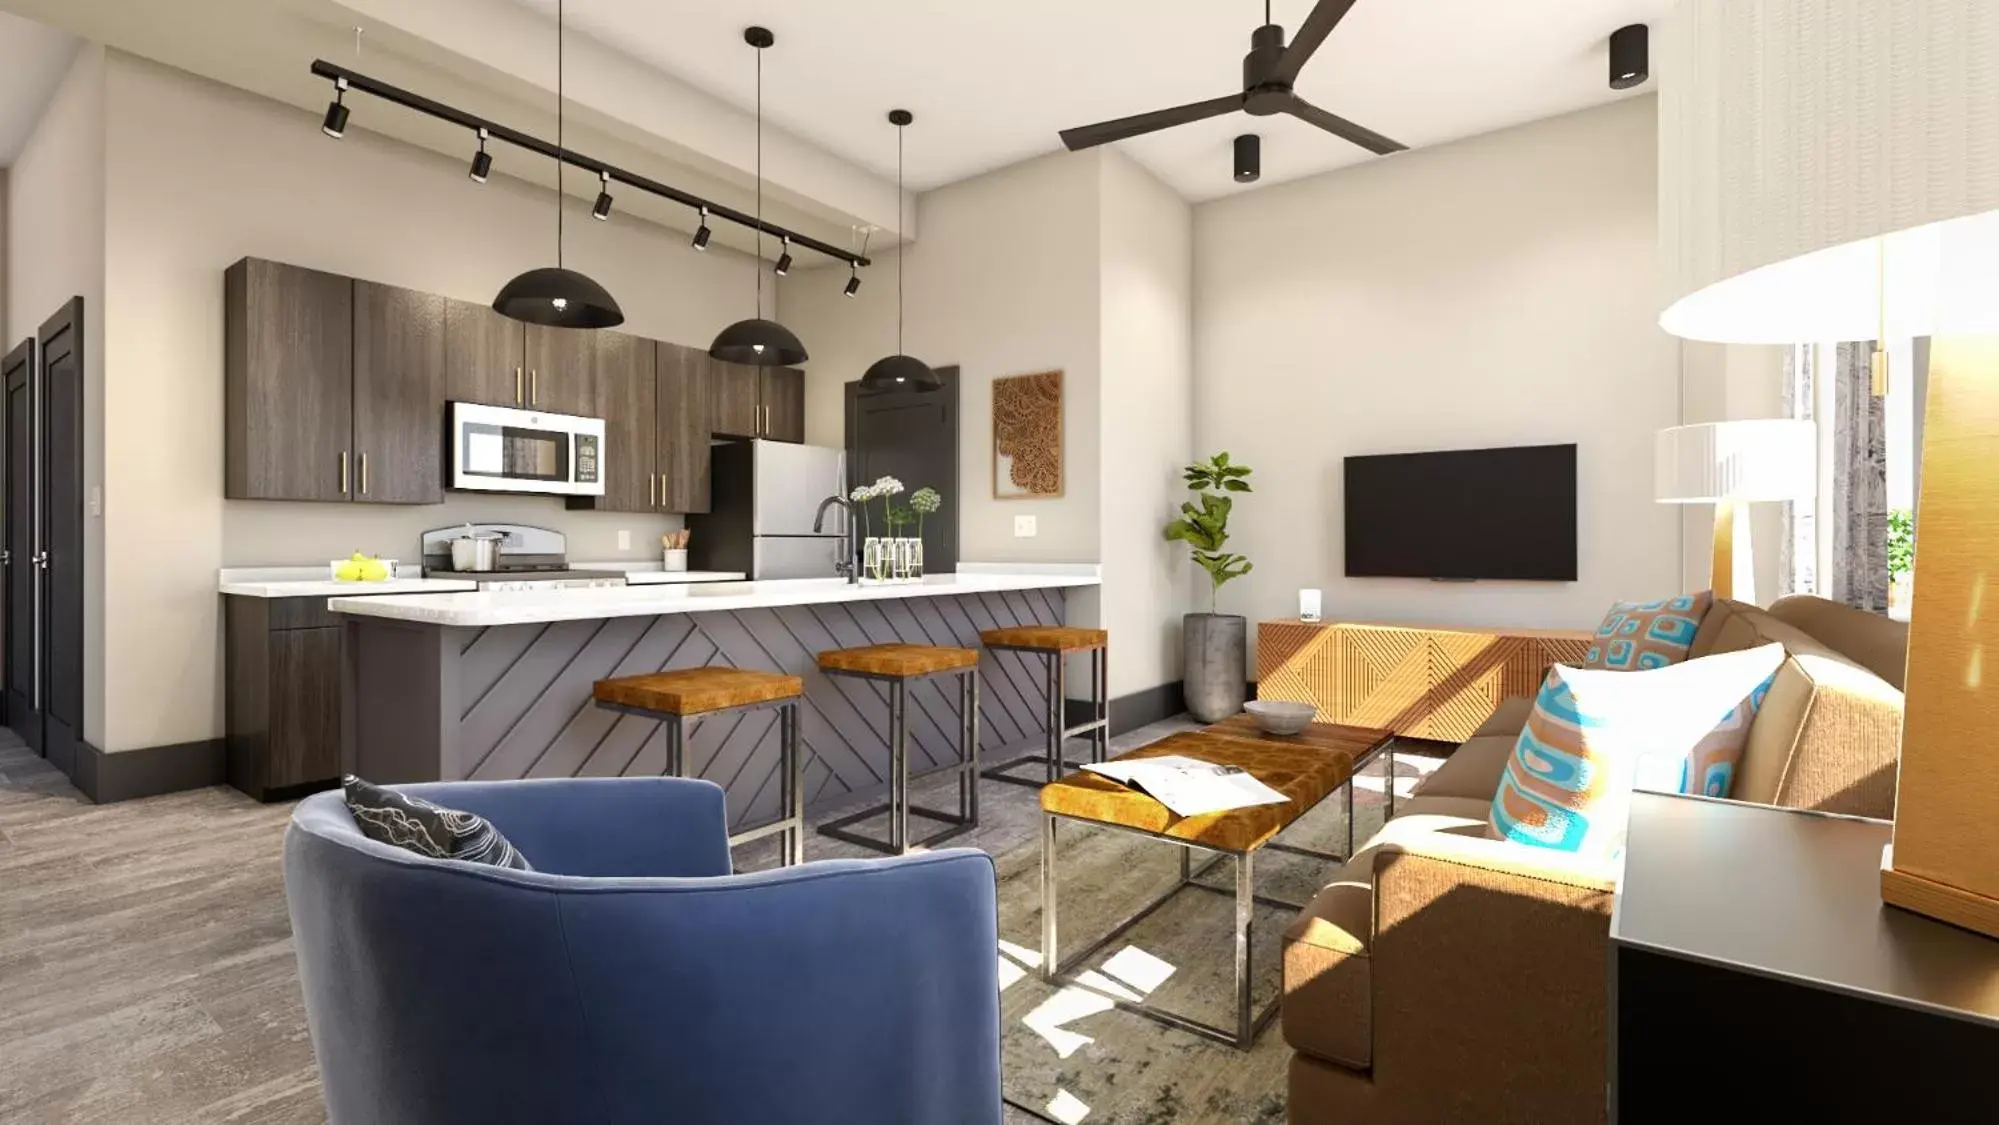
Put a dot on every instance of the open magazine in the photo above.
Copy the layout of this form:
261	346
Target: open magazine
1189	786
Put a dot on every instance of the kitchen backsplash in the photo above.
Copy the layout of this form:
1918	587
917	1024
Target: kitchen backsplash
271	533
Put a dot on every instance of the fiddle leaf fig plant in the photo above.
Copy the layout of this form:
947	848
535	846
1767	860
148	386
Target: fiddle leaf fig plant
1204	522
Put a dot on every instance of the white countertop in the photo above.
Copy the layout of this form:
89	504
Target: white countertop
528	607
656	577
311	582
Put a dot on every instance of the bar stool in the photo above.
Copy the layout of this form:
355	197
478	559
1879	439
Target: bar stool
896	667
1055	643
675	698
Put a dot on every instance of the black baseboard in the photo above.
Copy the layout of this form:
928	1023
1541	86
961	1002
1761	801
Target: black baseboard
109	778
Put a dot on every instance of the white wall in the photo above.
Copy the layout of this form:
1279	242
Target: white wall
1723	382
54	251
1003	282
202	174
1496	291
1147	373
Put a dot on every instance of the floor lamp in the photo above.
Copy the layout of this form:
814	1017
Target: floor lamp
1803	199
1733	465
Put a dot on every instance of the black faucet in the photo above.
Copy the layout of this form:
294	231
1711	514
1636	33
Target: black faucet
849	566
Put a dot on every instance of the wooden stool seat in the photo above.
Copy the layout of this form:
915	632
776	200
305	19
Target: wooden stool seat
696	691
897	661
1046	638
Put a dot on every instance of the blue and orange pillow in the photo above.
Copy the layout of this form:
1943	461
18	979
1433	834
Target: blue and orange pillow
1594	734
1641	636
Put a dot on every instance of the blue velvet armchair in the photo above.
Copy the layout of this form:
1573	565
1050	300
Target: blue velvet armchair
631	977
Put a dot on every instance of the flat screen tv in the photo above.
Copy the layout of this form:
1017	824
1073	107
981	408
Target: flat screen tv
1464	514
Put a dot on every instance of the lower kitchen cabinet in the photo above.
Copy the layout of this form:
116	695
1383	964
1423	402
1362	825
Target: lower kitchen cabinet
283	661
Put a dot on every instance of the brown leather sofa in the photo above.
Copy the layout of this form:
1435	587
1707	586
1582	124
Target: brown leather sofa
1444	975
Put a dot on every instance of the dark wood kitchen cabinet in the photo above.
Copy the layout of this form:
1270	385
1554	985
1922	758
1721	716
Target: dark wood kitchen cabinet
398	395
682	438
485	356
783	395
283	663
333	388
757	402
288	383
623	377
562	366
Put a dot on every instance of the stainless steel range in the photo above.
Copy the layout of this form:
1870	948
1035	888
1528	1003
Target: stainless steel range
528	558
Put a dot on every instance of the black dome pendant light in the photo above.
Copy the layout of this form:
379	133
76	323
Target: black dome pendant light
554	296
756	341
899	372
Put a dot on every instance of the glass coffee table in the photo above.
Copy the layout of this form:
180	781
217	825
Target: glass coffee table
1306	768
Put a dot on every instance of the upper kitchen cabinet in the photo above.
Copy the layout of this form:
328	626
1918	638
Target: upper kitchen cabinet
783	404
562	369
757	402
485	356
398	395
681	440
623	378
288	378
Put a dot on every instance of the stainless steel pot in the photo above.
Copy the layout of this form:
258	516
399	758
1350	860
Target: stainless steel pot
476	552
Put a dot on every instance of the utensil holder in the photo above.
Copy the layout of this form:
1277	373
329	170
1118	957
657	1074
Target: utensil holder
674	559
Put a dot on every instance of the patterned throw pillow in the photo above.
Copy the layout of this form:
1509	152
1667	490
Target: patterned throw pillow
1594	735
1637	636
417	825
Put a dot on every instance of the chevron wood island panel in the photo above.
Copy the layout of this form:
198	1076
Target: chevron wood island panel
1418	681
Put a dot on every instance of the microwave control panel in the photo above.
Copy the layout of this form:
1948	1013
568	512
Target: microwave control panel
587	468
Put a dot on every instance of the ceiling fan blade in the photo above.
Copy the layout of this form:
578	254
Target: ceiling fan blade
1340	127
1104	132
1318	25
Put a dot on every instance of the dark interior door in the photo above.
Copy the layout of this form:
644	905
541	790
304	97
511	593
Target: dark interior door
17	545
61	354
914	438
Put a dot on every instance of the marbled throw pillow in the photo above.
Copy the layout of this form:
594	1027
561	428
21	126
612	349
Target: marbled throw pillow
1637	636
1594	735
389	817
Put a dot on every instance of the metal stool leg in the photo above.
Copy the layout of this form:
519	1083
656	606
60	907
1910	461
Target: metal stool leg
676	746
794	788
898	751
969	779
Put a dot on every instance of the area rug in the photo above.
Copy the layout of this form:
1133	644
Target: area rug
1071	1056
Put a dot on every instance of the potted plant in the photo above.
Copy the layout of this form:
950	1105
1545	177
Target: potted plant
1901	561
1216	644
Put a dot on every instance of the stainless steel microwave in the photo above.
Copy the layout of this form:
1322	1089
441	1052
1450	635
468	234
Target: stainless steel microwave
499	449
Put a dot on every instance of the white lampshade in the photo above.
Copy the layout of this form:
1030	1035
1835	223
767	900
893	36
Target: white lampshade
1761	459
1802	143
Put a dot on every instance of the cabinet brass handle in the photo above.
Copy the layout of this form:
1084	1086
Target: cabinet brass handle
364	474
652	488
343	472
534	388
520	390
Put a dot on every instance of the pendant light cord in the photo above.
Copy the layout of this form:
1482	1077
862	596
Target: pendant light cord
760	181
904	243
558	134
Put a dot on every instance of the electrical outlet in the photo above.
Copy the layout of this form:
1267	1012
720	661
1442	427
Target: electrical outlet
624	539
1023	527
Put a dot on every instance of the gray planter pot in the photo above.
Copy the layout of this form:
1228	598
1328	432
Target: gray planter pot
1216	664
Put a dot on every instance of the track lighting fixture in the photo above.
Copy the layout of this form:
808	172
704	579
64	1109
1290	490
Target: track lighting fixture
482	161
783	265
602	210
701	233
853	281
335	125
1630	56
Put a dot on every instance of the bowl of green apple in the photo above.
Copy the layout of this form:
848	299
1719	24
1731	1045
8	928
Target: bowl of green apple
358	567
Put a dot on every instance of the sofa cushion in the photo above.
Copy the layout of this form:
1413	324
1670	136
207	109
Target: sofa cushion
1472	771
1874	641
1509	718
1828	736
412	823
1595	733
1637	636
1327	977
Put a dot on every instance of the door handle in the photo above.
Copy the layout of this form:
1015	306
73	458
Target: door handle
364	474
343	472
6	558
41	559
520	389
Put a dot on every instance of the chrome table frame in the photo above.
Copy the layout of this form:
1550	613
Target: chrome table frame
899	806
791	788
1249	1022
1056	680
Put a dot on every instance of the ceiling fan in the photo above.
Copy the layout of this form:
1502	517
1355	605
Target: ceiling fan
1267	74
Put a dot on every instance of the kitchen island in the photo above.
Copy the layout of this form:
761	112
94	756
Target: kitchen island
493	685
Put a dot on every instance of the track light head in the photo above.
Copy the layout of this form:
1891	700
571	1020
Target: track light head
1630	56
1248	158
853	281
702	232
602	209
783	266
335	124
482	162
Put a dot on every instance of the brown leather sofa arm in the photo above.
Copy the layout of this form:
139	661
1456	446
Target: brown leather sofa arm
1490	977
